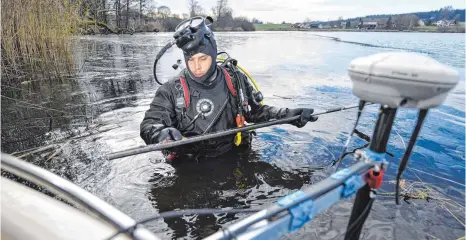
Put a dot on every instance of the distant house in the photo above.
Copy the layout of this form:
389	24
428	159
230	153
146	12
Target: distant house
381	22
304	25
443	23
368	25
421	23
451	22
446	23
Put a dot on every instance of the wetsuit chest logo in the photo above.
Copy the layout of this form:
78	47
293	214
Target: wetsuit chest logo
205	106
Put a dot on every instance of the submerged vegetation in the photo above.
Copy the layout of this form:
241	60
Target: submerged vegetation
37	56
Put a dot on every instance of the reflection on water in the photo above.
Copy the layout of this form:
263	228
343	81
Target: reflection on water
99	111
239	180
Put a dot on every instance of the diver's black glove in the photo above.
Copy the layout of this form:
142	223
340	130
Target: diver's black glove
305	114
166	134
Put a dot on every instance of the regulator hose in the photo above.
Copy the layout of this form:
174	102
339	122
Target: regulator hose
159	55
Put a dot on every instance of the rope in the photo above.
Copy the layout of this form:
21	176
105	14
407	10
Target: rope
446	179
413	169
428	188
453	215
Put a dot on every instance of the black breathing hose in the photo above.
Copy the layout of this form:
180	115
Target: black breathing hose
159	55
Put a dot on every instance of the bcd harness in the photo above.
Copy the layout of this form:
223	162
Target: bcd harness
233	88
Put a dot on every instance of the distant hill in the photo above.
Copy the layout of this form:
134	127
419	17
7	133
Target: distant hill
433	15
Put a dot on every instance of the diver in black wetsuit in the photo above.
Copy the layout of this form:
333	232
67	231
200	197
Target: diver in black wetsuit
204	99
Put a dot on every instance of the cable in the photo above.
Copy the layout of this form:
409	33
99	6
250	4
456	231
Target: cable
245	73
353	151
207	129
361	107
407	154
355	223
174	214
220	53
192	121
350	228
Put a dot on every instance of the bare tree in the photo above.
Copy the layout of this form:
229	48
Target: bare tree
141	4
446	11
164	11
256	21
457	18
397	22
103	7
149	8
389	23
127	14
405	22
192	6
221	9
118	13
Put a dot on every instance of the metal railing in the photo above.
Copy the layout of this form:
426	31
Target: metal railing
74	195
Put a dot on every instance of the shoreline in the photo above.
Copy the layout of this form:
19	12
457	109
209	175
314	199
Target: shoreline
353	30
459	28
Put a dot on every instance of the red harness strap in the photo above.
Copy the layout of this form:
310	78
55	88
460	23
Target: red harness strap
187	98
229	83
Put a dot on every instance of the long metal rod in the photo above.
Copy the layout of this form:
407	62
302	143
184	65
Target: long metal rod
73	194
158	147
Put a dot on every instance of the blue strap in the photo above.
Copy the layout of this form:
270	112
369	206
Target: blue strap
352	185
301	213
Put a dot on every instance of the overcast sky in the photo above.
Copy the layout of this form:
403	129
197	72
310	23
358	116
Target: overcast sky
298	10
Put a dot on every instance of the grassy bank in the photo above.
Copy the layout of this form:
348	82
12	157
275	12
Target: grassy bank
426	29
36	39
274	27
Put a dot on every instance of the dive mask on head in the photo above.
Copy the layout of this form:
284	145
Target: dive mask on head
193	34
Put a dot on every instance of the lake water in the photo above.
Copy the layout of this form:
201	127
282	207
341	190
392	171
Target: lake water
100	112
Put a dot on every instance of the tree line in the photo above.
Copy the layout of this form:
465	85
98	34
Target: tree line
445	13
409	20
406	21
145	15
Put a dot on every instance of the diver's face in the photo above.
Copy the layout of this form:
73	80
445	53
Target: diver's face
199	64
